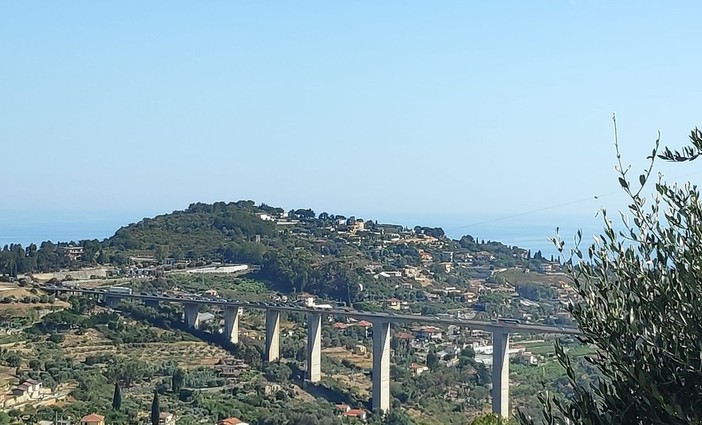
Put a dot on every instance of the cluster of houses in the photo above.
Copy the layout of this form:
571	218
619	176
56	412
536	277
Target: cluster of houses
27	392
470	291
448	345
165	418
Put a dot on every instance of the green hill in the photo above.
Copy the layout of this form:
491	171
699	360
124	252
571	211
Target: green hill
329	255
221	231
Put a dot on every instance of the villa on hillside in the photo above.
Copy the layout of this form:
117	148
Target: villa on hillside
412	272
228	368
93	419
425	257
28	389
393	304
427	333
549	267
348	412
418	369
72	252
306	299
232	421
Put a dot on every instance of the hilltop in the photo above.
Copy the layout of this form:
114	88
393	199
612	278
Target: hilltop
330	255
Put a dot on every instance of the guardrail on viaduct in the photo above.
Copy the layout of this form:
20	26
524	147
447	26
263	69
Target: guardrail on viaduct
381	337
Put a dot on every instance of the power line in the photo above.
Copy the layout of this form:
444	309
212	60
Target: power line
507	217
577	201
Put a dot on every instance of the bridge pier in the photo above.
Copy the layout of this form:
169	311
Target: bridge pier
151	303
500	373
314	347
192	312
231	324
112	301
272	335
381	366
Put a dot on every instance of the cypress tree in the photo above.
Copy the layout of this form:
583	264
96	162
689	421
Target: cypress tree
177	380
117	398
155	409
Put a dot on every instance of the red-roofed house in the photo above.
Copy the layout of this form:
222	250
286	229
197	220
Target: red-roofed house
232	421
356	413
347	411
393	303
428	332
339	326
93	419
365	324
404	336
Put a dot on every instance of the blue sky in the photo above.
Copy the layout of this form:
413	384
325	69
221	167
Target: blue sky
383	109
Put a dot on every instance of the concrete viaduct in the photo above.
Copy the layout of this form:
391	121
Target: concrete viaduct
381	337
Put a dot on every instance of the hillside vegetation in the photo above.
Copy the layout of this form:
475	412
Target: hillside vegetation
329	255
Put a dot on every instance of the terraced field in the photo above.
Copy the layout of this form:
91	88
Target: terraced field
188	354
341	353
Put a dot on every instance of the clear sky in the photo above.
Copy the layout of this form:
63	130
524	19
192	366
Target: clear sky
390	109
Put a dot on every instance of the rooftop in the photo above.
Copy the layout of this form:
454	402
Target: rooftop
93	417
355	412
231	421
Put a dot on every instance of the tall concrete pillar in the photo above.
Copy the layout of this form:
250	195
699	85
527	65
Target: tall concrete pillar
381	367
191	315
231	324
500	373
314	347
272	335
112	301
151	303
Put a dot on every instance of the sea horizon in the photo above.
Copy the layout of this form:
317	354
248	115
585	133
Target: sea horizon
525	231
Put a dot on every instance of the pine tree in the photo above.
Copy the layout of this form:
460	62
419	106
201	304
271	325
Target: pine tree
117	398
155	409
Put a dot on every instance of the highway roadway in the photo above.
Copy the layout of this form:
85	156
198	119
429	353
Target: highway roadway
488	326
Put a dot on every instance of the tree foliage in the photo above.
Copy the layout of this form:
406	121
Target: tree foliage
177	380
640	308
16	259
117	398
155	409
491	420
535	291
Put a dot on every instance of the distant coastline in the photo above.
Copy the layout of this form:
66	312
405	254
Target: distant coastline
530	232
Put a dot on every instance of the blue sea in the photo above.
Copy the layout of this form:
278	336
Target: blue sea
34	227
529	231
526	231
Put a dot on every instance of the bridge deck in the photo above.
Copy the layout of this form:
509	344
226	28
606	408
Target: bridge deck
488	326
